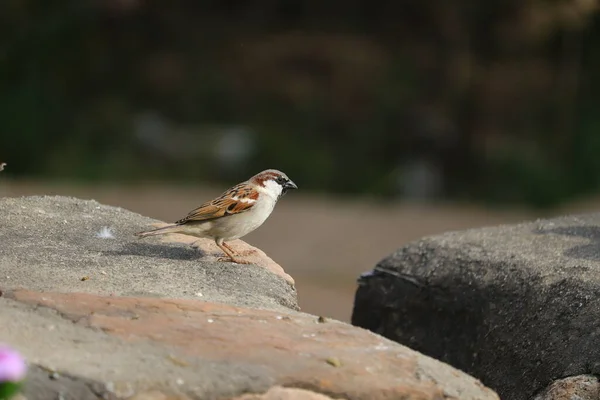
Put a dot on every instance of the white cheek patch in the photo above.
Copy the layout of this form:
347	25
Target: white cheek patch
273	187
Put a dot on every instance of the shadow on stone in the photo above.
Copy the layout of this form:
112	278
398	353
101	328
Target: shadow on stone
170	252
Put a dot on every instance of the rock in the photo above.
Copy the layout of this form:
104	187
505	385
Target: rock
72	245
106	316
515	306
582	387
118	347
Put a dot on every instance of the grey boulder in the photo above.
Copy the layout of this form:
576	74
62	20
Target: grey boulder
71	245
515	306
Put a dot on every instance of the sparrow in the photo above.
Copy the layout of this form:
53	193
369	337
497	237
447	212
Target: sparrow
234	214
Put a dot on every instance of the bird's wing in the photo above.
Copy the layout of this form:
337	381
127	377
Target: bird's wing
238	199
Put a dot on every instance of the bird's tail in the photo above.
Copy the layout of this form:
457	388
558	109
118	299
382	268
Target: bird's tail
159	231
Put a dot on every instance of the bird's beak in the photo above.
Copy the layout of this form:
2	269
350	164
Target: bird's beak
290	185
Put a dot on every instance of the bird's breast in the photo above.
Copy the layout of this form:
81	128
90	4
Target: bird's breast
238	225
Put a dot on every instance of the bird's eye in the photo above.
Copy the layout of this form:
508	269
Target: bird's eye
281	180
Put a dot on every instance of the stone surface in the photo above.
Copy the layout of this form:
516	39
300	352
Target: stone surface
582	387
52	243
515	306
120	346
44	383
106	316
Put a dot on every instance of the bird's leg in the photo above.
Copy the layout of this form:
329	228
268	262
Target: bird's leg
230	254
230	249
237	253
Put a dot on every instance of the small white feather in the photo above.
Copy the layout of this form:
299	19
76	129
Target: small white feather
105	233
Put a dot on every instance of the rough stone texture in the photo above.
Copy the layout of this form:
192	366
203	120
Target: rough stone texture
583	387
135	327
42	383
51	243
515	306
121	346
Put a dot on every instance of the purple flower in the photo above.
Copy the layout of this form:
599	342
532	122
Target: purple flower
12	365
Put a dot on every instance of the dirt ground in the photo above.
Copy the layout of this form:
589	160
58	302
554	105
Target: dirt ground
323	242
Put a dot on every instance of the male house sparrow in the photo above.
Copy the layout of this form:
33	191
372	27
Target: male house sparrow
235	213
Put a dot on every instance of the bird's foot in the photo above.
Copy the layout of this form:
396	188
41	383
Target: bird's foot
246	252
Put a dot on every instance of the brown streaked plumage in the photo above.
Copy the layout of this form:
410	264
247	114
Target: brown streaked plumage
235	213
238	199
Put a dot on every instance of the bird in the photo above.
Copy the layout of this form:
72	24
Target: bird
235	213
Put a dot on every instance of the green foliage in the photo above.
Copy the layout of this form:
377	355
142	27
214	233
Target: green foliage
9	389
340	98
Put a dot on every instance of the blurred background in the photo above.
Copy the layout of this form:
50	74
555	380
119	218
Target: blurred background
397	119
